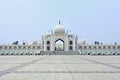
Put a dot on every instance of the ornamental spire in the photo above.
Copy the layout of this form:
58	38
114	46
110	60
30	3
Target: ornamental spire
59	22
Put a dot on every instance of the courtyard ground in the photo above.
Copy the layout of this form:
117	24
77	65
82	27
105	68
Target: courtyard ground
60	67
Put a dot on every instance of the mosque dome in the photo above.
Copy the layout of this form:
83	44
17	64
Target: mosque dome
59	29
34	41
83	41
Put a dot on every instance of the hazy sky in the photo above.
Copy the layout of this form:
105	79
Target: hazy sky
93	20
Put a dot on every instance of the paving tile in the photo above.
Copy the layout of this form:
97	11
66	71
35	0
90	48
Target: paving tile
59	67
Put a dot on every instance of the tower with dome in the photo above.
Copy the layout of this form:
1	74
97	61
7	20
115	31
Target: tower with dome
59	34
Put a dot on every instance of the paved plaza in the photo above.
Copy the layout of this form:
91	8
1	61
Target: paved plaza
60	67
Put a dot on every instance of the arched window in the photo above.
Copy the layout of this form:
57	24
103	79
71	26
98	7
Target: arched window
10	47
118	47
15	47
48	42
70	48
48	48
70	42
80	47
104	47
109	47
19	47
1	47
29	47
33	47
114	47
5	47
38	47
24	47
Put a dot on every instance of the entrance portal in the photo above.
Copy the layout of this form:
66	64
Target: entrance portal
59	45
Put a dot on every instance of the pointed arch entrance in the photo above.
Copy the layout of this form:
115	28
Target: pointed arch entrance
59	45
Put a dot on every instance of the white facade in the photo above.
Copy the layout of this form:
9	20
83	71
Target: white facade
49	40
69	43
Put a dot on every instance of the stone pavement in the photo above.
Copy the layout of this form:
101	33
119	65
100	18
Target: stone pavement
60	67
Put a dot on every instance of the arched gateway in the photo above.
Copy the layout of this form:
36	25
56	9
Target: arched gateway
59	45
49	41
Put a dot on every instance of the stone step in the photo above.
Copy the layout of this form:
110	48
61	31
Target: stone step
60	53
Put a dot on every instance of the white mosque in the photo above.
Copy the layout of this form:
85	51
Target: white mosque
49	40
60	42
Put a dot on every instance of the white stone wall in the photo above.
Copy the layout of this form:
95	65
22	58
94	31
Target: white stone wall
20	49
99	49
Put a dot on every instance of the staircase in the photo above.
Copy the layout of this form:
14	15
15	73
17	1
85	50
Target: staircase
67	53
60	52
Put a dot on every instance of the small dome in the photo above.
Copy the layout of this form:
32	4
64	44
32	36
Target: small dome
83	41
59	29
49	33
34	41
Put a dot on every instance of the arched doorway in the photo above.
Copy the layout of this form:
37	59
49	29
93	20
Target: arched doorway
59	45
48	48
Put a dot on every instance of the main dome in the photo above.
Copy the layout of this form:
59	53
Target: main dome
59	29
